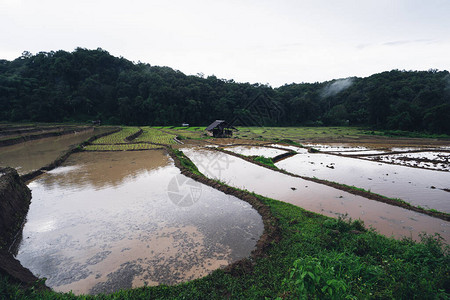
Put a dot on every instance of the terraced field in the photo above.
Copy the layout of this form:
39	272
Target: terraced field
154	135
118	137
151	138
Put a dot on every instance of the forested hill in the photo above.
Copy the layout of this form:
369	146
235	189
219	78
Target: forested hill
91	84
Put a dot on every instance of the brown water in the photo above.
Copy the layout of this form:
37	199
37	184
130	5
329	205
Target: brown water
33	155
109	221
416	186
386	219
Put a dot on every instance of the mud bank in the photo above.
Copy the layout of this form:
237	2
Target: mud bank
14	202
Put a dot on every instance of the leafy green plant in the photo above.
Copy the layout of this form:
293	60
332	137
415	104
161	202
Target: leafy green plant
309	276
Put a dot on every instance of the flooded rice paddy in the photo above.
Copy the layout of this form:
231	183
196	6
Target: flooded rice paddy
426	160
419	187
256	151
386	219
115	220
33	155
432	157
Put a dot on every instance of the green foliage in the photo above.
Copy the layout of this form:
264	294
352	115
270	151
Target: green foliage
87	85
314	276
265	160
402	133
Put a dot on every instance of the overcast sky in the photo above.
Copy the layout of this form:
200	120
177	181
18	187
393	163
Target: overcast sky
274	42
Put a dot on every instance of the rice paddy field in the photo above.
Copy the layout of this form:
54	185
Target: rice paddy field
133	138
175	216
299	133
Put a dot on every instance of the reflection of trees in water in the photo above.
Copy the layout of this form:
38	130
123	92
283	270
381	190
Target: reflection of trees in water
102	169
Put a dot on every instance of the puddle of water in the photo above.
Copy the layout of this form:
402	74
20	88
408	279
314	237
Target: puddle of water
109	221
386	219
255	151
416	186
33	155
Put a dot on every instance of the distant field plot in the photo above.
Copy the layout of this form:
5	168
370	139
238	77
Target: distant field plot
149	139
118	137
187	132
154	135
121	147
297	133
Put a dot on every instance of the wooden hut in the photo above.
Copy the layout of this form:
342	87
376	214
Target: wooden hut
220	128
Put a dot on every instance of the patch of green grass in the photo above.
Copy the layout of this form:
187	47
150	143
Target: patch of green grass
298	133
187	133
186	162
265	160
402	133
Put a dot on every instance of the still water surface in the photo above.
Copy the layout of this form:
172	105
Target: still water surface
416	186
386	219
108	221
33	155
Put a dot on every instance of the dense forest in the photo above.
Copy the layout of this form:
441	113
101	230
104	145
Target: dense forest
93	85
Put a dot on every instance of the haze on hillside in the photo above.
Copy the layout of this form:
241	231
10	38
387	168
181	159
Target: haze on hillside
248	41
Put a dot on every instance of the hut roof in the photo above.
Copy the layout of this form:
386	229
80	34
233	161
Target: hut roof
219	123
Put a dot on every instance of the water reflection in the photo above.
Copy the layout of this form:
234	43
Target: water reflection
105	221
417	186
386	219
255	151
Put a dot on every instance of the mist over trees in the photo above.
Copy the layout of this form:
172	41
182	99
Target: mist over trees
88	85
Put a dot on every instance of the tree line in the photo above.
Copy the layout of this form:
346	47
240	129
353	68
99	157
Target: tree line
86	85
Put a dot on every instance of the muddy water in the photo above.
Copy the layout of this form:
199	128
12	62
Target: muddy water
255	151
386	219
32	155
416	186
427	160
109	221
